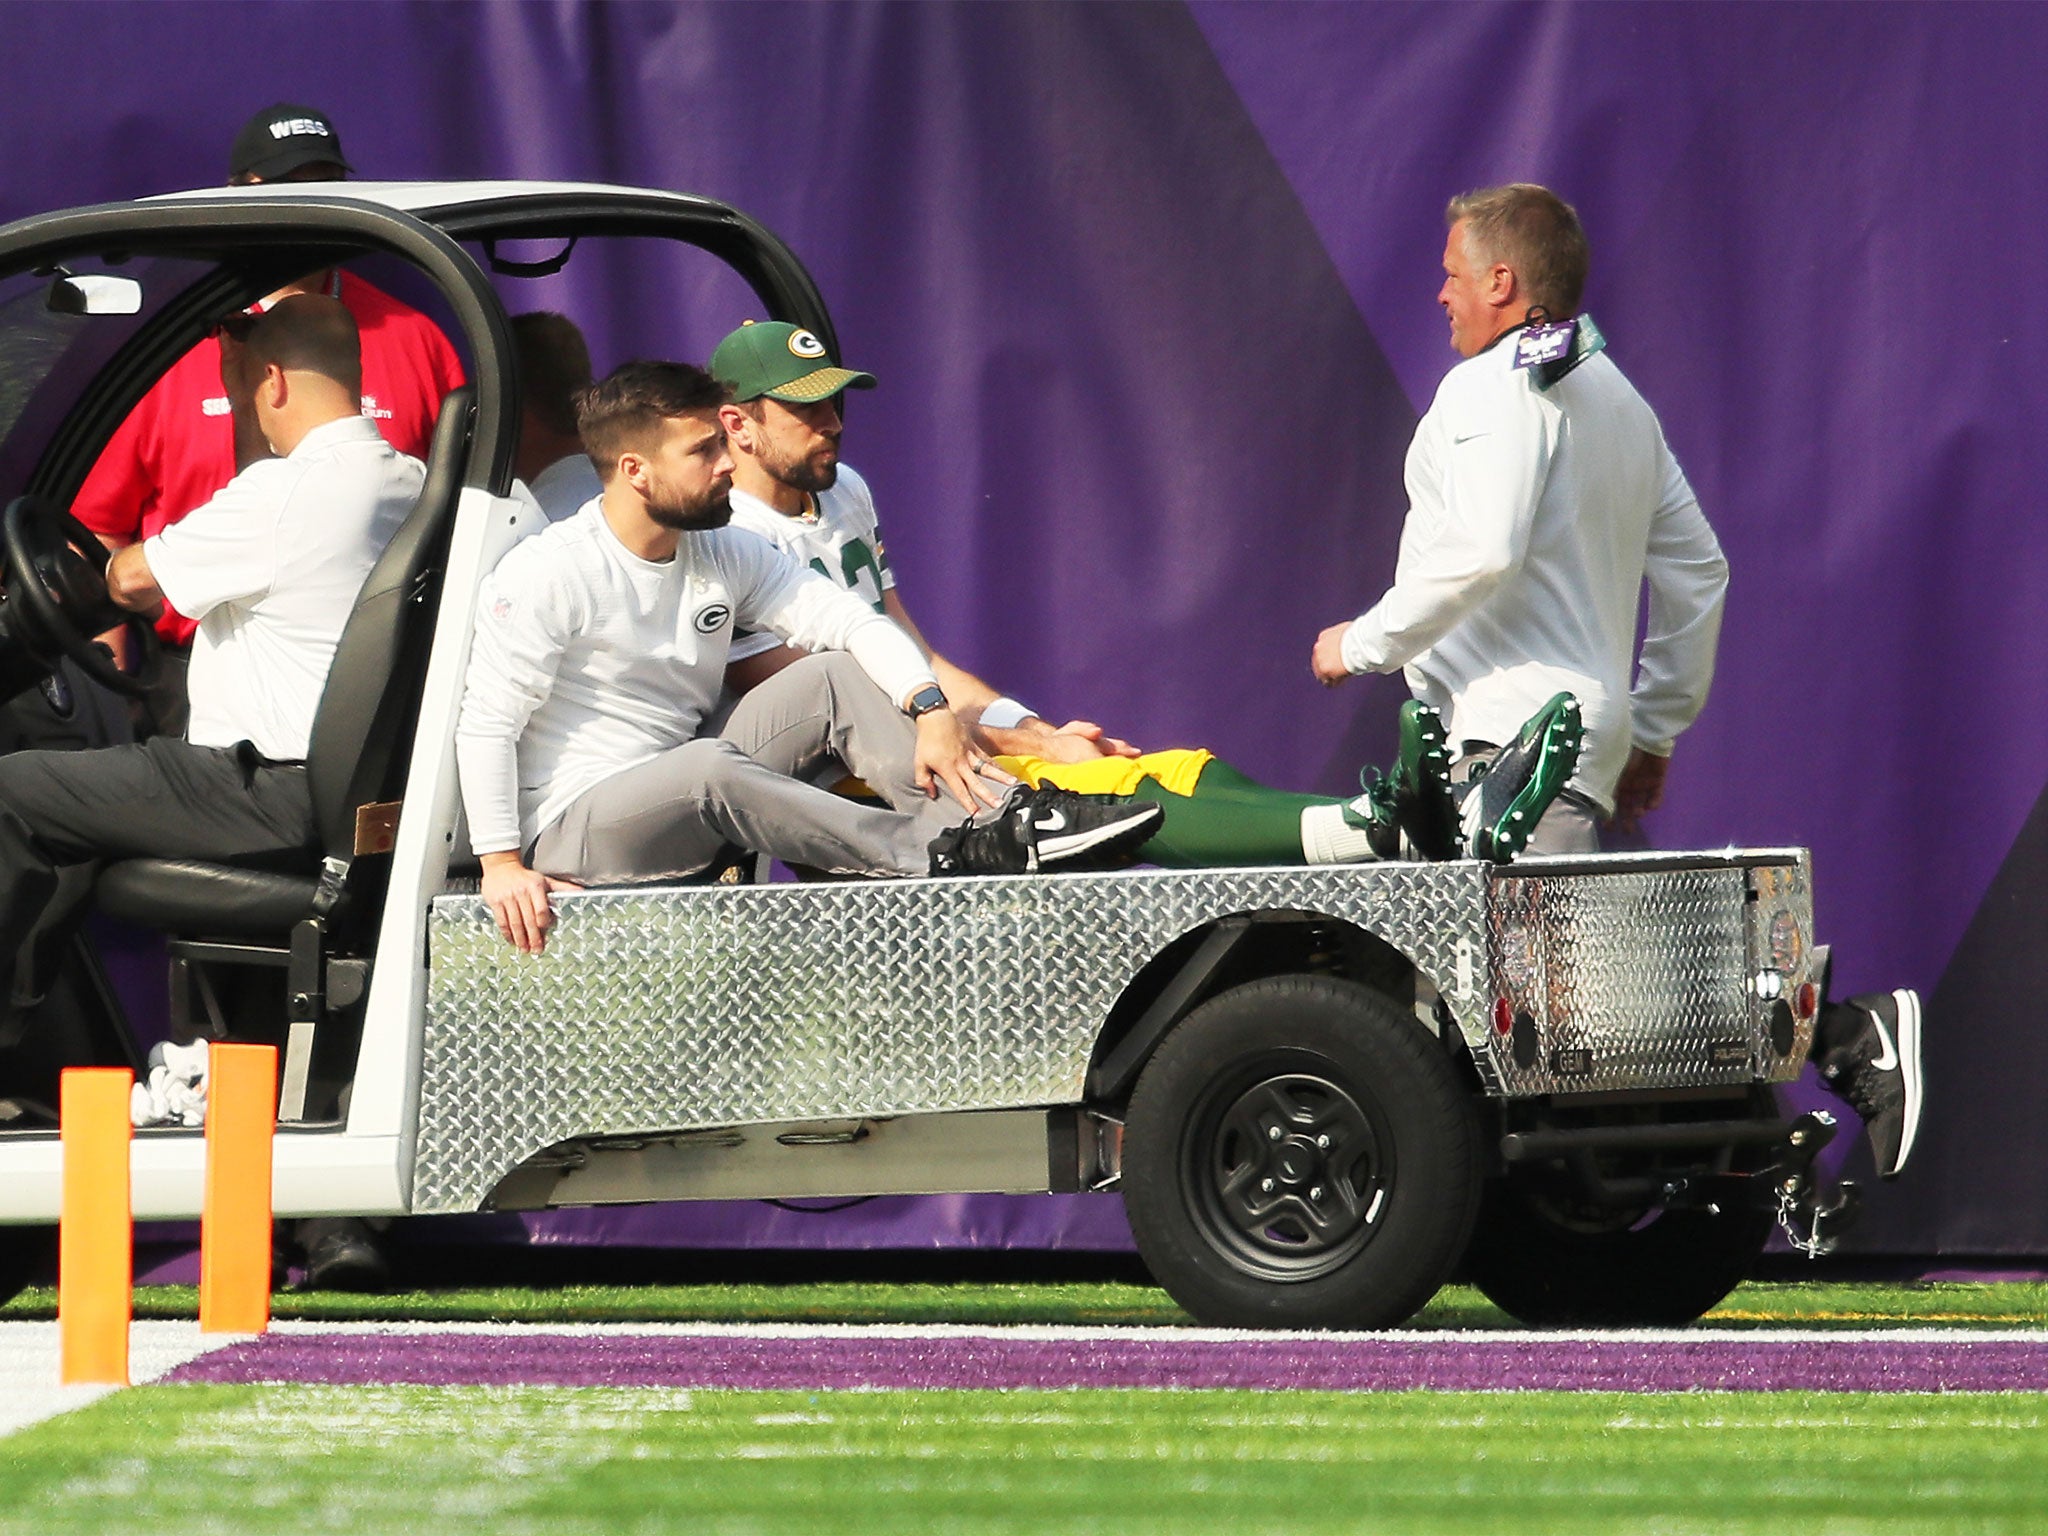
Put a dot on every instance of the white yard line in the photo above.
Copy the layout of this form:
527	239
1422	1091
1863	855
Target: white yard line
29	1390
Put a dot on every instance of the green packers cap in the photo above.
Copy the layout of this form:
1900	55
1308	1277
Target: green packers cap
783	362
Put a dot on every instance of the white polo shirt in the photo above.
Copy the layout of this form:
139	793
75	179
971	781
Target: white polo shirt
271	568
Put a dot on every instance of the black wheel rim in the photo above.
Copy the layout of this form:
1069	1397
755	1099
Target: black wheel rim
1287	1170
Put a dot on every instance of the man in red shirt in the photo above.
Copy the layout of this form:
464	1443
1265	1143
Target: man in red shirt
181	443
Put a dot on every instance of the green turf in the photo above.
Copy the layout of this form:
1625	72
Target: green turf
1938	1304
559	1462
1814	1304
837	1302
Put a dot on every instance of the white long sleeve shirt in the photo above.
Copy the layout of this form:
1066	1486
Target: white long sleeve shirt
589	660
1534	518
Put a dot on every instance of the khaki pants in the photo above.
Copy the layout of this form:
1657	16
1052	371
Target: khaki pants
741	785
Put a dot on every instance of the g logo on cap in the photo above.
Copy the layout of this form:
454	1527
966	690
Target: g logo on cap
804	344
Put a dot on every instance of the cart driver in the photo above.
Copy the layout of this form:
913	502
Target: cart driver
601	646
269	568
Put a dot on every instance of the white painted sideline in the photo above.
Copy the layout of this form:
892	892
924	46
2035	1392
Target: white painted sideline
29	1392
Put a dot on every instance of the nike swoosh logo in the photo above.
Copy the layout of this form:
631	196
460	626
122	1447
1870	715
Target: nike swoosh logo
1887	1059
1053	821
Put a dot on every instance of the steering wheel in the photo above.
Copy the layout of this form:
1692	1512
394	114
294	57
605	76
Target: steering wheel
57	571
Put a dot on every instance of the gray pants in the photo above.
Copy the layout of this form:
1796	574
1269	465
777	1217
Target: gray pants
742	785
1571	825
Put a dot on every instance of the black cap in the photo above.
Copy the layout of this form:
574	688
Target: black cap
280	139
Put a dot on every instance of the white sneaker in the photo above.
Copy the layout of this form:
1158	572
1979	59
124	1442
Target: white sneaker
173	1092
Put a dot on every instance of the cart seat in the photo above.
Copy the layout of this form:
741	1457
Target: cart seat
219	900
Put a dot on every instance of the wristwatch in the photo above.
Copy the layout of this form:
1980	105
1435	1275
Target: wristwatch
925	700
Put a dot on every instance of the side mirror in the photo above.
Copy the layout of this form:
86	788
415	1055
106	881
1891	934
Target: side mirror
95	294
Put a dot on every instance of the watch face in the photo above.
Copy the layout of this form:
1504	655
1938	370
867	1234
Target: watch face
925	700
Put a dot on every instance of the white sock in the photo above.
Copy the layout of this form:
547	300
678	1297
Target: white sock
1327	838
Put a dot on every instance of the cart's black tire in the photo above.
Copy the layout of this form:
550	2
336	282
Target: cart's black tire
1357	1232
1660	1272
27	1255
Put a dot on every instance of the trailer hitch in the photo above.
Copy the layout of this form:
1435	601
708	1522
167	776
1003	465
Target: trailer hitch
1813	1218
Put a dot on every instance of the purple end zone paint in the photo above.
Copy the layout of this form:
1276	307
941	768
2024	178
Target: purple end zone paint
839	1361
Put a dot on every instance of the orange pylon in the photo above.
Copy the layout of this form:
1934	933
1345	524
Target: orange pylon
96	1241
234	1222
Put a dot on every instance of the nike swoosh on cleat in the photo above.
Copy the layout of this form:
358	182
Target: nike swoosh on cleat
1052	821
1886	1060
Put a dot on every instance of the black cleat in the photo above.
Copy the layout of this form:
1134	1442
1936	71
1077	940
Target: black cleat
1868	1051
1048	829
1503	806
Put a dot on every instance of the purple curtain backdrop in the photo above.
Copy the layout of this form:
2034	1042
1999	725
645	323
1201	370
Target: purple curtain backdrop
1149	289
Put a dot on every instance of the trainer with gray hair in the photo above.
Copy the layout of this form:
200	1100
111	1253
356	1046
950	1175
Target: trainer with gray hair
1542	497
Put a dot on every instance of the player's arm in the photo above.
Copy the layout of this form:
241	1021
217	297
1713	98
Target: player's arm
750	672
967	694
1004	729
772	592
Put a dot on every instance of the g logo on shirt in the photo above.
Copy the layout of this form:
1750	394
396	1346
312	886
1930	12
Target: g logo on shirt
804	344
711	620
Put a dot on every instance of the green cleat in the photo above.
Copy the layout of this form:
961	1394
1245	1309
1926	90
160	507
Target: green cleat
1372	812
1414	800
1503	806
